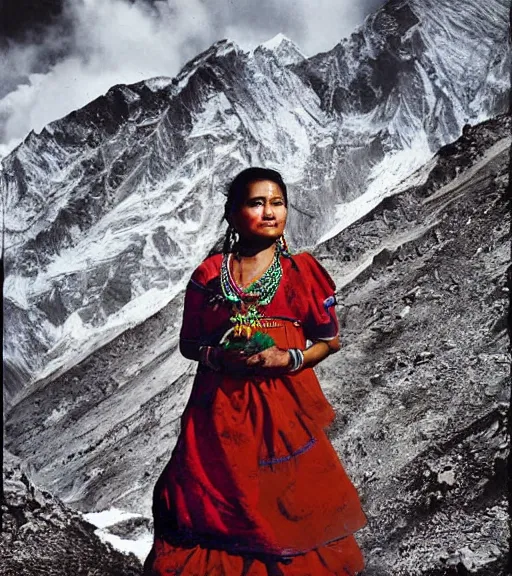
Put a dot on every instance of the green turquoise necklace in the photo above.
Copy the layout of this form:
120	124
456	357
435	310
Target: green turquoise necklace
246	315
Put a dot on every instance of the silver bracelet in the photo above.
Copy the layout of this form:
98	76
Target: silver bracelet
297	358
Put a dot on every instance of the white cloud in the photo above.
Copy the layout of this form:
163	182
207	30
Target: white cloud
327	22
114	42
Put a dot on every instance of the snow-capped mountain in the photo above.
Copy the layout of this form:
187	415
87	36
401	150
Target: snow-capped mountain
283	49
109	209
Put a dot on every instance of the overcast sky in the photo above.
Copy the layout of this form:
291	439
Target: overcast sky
98	43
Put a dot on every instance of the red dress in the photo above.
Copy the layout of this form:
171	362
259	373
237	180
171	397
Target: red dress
253	486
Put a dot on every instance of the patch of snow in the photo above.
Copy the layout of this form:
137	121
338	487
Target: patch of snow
56	415
102	520
158	83
390	176
139	547
325	142
109	517
276	41
213	120
287	51
77	340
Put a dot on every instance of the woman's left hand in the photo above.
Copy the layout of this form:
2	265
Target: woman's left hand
272	359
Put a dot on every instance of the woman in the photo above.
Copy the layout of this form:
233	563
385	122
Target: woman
254	487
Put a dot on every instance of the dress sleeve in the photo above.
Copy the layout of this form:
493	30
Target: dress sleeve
321	322
192	332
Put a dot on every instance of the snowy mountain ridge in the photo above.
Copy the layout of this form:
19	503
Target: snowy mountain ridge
109	209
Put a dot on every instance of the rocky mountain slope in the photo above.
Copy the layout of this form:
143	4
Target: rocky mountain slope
421	385
42	536
108	210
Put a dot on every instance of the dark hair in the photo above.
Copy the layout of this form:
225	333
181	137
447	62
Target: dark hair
237	192
238	188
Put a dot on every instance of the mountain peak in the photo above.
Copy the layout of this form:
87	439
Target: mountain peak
218	49
285	49
276	41
224	46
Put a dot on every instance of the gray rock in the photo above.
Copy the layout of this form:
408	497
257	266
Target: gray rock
56	542
447	477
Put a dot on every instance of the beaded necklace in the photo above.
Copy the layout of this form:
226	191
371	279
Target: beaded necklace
247	300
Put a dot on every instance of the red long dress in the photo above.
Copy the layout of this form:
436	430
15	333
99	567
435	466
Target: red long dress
253	486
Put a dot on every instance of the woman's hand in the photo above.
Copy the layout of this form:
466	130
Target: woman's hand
272	359
221	359
231	359
277	360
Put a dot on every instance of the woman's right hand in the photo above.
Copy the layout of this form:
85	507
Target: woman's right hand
231	359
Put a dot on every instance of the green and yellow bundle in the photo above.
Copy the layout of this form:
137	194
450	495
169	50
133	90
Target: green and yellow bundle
245	336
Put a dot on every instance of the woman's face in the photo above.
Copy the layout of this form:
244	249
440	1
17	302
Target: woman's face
262	214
